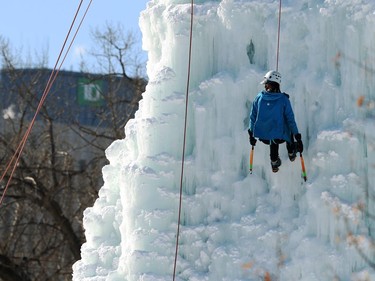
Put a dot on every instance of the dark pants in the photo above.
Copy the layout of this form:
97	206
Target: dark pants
274	147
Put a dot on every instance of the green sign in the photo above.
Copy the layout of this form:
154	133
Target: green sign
90	92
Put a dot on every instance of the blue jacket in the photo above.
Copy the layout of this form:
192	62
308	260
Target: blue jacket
272	117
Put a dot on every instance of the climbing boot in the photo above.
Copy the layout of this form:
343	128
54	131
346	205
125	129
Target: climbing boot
292	156
275	165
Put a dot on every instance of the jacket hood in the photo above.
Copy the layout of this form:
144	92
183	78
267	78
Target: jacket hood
271	96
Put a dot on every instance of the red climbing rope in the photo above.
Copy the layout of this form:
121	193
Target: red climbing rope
184	141
12	165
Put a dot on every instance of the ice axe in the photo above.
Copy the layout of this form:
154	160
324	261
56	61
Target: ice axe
251	159
303	167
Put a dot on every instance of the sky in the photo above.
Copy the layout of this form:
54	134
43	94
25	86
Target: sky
38	26
238	226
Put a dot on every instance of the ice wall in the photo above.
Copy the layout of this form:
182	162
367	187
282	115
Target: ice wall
237	226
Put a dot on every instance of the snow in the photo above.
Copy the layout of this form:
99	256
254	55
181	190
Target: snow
236	225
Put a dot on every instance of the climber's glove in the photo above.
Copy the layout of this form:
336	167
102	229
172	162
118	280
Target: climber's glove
299	144
252	140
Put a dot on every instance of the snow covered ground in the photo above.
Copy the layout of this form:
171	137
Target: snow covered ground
236	225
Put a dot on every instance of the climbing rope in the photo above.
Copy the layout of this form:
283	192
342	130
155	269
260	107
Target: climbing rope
185	125
184	141
13	163
278	39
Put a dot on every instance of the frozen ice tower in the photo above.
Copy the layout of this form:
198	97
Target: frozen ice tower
236	225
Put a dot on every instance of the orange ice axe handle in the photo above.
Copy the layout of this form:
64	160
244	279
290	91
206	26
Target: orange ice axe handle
303	168
251	159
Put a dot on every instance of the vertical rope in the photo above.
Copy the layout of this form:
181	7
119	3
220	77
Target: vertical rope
184	142
16	156
278	39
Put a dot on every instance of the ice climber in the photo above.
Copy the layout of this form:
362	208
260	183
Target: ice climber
272	120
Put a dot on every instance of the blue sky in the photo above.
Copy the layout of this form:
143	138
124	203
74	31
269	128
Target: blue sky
39	26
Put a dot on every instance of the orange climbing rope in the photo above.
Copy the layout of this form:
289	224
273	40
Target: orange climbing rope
12	164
